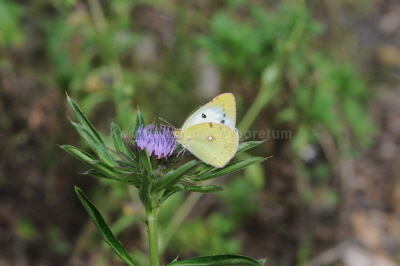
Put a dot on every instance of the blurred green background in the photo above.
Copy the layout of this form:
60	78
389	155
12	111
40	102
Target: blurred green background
321	76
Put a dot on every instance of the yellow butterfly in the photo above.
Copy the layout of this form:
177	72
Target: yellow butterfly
210	133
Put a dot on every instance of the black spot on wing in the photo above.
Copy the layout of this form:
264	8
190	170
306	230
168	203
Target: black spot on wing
223	121
203	115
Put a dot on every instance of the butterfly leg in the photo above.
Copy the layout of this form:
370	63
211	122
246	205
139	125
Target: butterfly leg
181	151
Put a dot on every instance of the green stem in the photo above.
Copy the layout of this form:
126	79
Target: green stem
153	234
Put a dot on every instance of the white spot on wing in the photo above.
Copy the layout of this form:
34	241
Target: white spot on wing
214	115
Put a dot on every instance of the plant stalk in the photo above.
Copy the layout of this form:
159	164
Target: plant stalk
153	234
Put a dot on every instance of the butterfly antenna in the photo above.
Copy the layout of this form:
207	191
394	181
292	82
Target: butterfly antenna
167	122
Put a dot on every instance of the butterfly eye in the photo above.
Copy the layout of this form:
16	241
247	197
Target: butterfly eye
203	115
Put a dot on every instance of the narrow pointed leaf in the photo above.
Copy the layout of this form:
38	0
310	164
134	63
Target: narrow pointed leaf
226	259
139	121
103	228
103	171
130	147
79	154
173	176
200	189
167	193
117	139
248	145
177	187
203	169
146	176
97	146
125	158
145	191
84	121
95	173
93	138
203	189
86	125
126	165
133	179
106	170
145	163
231	167
262	261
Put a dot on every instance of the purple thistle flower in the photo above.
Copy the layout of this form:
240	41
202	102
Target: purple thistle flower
158	141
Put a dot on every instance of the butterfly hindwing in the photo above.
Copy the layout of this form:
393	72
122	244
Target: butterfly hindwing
213	143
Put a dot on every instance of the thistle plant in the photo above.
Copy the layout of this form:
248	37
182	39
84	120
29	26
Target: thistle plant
150	159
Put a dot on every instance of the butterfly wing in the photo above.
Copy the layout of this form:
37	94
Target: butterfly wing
213	143
221	109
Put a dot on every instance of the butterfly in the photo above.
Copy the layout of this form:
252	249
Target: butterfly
210	133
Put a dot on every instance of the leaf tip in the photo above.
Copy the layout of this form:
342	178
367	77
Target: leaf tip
176	259
70	120
262	261
269	157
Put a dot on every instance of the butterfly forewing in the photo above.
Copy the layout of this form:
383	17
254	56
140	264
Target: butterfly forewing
221	109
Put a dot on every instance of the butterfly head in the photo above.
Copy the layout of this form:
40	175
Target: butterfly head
177	132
